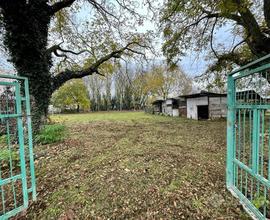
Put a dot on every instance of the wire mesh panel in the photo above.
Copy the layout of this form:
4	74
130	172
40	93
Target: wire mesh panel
248	132
17	179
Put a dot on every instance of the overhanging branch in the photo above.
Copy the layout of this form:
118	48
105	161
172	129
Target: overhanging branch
55	48
231	57
232	17
211	38
60	5
240	43
102	9
249	21
66	75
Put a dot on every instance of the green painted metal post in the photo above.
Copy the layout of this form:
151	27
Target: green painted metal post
21	144
255	140
15	123
248	142
30	140
230	133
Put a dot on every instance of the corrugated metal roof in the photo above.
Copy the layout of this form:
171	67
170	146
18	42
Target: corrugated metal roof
204	93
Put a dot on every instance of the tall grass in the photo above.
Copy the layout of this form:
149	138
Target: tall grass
51	134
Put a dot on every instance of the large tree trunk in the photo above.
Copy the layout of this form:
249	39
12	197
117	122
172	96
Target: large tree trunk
26	26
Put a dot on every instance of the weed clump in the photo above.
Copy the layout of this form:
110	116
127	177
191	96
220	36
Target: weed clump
51	134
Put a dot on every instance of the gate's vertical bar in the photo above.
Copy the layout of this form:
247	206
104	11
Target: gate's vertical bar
30	139
268	164
262	143
230	132
255	141
21	144
239	148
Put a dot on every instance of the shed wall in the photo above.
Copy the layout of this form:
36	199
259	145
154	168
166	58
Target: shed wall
169	102
169	110
217	107
175	112
192	104
164	107
183	111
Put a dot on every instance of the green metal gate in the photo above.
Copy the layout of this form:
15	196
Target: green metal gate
248	132
17	175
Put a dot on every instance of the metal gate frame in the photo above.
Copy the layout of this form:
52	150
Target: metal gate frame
253	177
22	116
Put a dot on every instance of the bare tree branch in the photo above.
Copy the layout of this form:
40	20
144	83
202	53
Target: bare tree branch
54	49
66	75
211	38
232	17
124	6
60	5
249	21
241	42
101	9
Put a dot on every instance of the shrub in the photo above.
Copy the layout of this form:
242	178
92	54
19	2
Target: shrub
6	155
51	134
3	140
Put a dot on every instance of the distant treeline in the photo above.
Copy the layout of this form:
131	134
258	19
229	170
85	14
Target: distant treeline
121	89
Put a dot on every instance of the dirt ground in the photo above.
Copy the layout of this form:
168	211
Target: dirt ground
134	166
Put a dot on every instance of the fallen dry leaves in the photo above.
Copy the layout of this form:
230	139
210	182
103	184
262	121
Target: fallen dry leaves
156	168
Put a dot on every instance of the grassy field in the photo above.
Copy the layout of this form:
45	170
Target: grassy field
100	116
132	165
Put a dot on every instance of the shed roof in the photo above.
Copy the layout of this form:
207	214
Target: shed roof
204	93
251	94
176	98
157	101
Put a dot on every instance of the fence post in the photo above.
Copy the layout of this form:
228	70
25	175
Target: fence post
230	132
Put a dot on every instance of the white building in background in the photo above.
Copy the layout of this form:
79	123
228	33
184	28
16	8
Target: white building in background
206	105
203	105
53	110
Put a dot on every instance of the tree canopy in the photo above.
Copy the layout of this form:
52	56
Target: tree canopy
72	95
194	24
163	82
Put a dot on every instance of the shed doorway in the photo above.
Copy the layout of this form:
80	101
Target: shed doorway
202	112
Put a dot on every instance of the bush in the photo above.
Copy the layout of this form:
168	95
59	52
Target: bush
6	156
51	134
3	140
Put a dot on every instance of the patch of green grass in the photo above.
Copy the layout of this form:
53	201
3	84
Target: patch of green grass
3	139
197	203
132	165
174	185
51	134
260	201
6	155
102	116
71	195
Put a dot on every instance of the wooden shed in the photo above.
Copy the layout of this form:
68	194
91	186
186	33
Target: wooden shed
170	107
166	107
157	106
206	105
